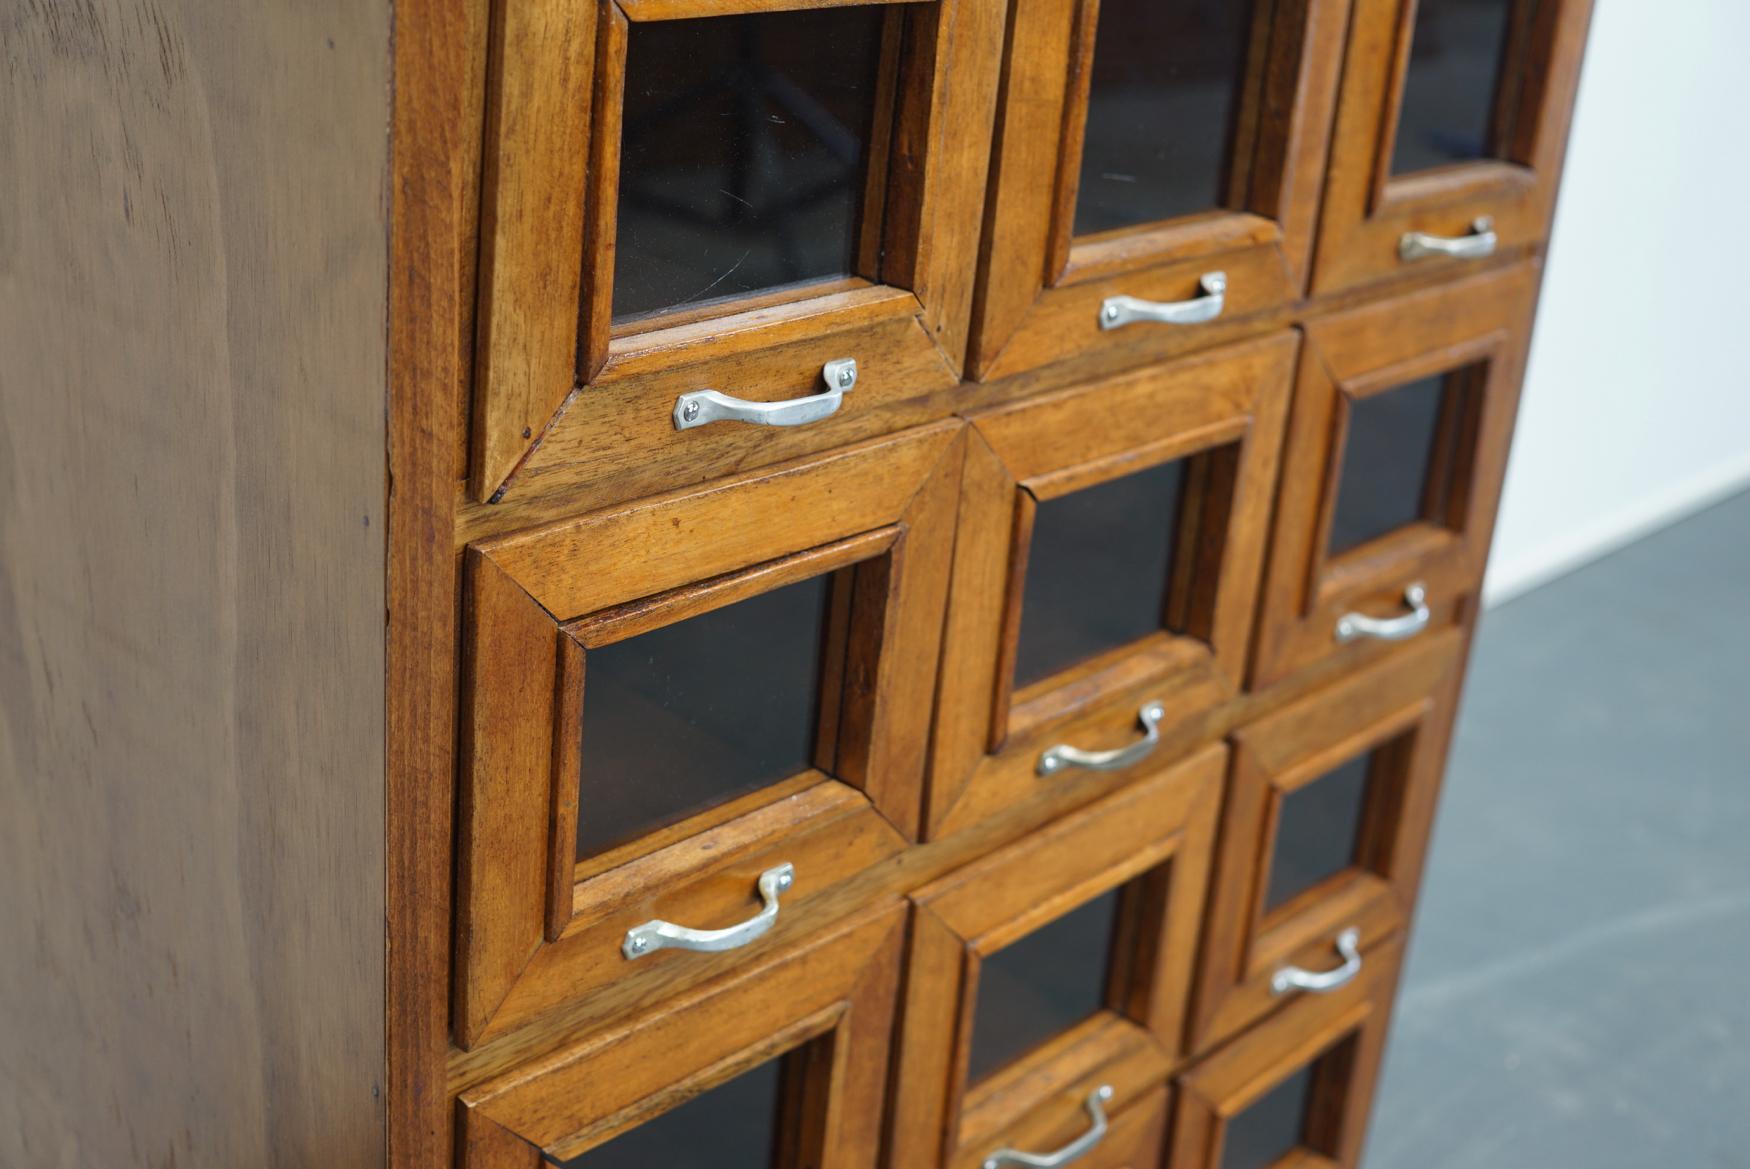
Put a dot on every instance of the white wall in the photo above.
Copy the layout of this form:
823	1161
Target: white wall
1637	398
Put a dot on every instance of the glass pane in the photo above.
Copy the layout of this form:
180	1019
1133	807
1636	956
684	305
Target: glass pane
732	1126
1271	1127
1098	570
1163	99
1041	985
1317	831
1387	454
696	713
742	155
1457	48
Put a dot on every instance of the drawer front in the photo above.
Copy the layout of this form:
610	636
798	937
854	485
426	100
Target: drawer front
1323	836
1156	176
1391	473
782	1063
1097	1133
1052	968
680	199
1451	130
693	714
1109	546
1295	1089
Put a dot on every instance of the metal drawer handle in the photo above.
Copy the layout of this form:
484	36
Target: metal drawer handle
1294	978
1061	756
665	935
1418	245
1118	311
1354	626
705	406
1070	1152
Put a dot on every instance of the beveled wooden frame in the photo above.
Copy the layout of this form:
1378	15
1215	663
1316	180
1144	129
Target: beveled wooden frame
548	389
1135	1139
1483	319
1225	410
1367	210
1344	1032
537	930
828	1003
1040	290
1155	840
1405	705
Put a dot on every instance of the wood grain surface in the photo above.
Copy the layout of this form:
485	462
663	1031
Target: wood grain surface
193	263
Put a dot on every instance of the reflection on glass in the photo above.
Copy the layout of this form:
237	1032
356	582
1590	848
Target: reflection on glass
732	1126
1163	101
693	714
1271	1127
1040	986
1098	570
1317	830
1456	70
743	153
1388	454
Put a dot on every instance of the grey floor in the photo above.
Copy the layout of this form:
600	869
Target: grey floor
1578	986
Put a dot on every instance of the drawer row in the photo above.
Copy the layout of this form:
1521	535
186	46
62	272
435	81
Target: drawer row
699	215
694	720
1160	950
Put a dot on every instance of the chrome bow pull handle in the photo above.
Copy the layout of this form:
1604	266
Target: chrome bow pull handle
1070	1152
706	406
665	935
1061	756
1118	311
1294	978
1481	242
1355	626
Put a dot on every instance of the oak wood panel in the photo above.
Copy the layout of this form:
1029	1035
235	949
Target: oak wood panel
438	98
531	228
616	439
192	516
615	555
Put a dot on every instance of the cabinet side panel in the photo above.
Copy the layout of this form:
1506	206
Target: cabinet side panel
193	274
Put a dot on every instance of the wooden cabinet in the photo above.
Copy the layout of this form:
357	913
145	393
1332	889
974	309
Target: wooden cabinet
786	584
1450	134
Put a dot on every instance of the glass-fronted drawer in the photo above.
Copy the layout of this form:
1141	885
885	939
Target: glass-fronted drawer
688	716
718	236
